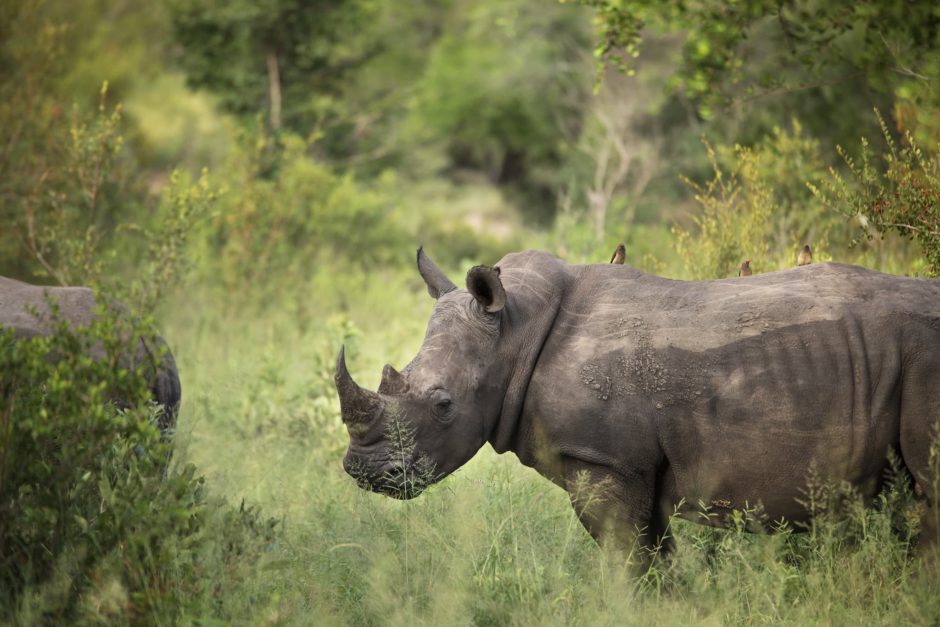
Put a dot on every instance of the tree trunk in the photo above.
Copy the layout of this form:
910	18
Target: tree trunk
274	91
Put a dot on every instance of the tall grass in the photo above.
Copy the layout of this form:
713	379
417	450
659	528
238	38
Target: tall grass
495	543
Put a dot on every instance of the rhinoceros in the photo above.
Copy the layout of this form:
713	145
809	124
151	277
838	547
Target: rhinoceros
25	309
664	394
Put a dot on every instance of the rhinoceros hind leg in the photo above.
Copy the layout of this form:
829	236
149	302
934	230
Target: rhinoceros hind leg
920	444
928	544
928	541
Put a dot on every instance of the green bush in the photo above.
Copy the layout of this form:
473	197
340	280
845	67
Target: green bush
903	196
734	223
92	527
763	202
280	211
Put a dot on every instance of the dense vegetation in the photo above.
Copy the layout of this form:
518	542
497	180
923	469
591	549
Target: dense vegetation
253	177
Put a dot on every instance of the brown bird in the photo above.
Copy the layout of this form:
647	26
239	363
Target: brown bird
619	254
745	268
806	256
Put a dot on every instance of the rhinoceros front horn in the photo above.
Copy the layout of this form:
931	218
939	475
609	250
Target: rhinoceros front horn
357	405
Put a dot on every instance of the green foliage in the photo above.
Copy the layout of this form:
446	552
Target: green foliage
72	195
500	114
765	202
902	196
77	225
83	204
482	91
265	56
91	526
465	126
893	46
293	217
734	221
164	265
56	55
756	206
618	33
58	426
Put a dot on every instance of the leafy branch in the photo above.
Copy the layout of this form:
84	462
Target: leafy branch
903	195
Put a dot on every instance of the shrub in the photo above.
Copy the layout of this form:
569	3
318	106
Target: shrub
91	525
734	223
291	215
765	201
903	197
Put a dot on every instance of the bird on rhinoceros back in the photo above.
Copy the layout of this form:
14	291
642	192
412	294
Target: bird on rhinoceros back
805	257
620	254
644	396
745	269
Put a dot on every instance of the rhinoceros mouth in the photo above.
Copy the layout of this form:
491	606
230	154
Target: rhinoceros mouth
400	485
396	482
390	479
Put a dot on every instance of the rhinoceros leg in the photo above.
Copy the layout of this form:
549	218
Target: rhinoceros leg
619	512
920	443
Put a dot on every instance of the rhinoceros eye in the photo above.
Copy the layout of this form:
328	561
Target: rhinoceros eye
441	404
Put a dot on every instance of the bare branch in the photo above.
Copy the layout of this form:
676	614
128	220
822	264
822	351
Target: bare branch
32	242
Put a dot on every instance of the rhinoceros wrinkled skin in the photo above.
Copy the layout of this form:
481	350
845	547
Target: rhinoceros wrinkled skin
25	308
658	394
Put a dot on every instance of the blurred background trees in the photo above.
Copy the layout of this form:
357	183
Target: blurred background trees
735	52
256	175
488	125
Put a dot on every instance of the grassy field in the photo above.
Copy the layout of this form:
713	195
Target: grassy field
494	544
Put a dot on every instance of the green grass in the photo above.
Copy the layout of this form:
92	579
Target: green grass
495	543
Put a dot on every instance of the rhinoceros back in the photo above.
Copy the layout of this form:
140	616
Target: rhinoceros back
741	383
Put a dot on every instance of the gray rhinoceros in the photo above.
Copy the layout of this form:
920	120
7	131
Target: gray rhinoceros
25	308
660	392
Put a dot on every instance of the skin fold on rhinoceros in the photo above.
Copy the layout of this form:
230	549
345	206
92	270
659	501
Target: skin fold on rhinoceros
25	308
660	394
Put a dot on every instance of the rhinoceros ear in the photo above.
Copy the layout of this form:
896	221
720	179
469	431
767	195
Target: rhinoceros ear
438	284
483	282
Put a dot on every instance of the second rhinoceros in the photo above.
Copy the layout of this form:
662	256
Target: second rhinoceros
31	310
660	392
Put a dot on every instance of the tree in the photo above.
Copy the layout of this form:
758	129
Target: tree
276	56
63	147
501	83
744	50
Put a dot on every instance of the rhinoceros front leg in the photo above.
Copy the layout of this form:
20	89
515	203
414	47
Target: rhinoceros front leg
618	511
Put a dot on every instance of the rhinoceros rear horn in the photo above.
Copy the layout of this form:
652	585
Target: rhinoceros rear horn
392	381
357	405
485	285
438	284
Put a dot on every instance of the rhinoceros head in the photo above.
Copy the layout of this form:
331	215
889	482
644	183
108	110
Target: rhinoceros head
428	420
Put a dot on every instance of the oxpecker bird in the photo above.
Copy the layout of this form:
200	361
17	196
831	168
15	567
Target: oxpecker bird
745	268
806	256
619	254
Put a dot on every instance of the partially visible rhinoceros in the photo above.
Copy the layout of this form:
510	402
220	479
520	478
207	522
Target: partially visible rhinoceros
25	308
660	392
